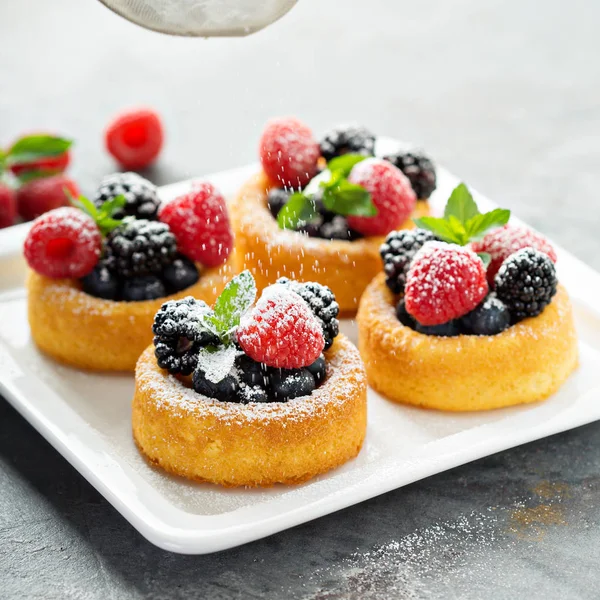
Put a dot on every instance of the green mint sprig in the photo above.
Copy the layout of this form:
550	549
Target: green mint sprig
34	147
216	361
462	222
103	216
339	196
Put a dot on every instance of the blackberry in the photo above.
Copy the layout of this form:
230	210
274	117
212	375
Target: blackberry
323	304
180	274
291	383
178	334
143	287
141	195
397	252
419	169
101	283
338	229
526	283
489	318
140	247
276	200
347	138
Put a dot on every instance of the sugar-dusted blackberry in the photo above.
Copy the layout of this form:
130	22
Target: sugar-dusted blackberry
101	283
323	304
180	274
179	334
419	169
276	199
489	318
397	253
345	139
140	247
526	283
141	195
286	384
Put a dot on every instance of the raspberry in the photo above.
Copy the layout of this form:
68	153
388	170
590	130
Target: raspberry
281	331
63	243
44	194
288	152
501	243
444	282
134	138
49	165
200	222
8	206
391	193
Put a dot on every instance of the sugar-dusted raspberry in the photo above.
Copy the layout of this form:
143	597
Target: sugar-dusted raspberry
501	243
444	282
391	194
288	152
200	223
281	331
64	242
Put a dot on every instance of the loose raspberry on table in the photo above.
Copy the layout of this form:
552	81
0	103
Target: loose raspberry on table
289	152
501	243
8	206
391	194
200	222
281	331
444	282
47	193
63	243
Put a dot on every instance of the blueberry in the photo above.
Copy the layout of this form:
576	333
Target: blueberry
318	369
312	228
180	274
252	373
450	329
403	315
146	287
226	390
276	199
489	318
336	229
248	393
102	283
291	383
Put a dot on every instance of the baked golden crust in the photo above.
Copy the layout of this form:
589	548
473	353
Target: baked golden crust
255	444
269	252
102	335
526	363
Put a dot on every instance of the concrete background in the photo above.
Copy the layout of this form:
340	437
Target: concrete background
505	93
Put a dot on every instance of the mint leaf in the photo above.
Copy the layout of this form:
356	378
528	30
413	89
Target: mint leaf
216	362
345	163
486	257
478	225
110	206
299	209
2	160
83	203
34	147
103	216
461	204
441	228
30	175
349	199
234	301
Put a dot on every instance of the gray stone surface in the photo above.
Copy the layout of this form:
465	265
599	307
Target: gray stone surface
506	93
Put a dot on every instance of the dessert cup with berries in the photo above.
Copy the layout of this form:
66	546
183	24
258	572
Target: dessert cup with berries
468	314
99	270
250	393
320	211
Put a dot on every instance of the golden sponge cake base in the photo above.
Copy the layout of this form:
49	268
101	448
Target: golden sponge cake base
101	335
270	252
526	363
254	444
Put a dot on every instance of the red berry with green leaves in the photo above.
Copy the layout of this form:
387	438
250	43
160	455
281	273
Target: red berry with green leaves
50	165
8	206
391	193
445	282
504	241
200	222
135	138
39	154
281	330
63	243
46	193
288	152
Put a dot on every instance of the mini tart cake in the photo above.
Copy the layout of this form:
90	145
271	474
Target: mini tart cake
278	411
99	272
330	232
525	363
446	328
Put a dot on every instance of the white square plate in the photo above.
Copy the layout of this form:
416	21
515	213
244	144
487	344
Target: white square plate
86	417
